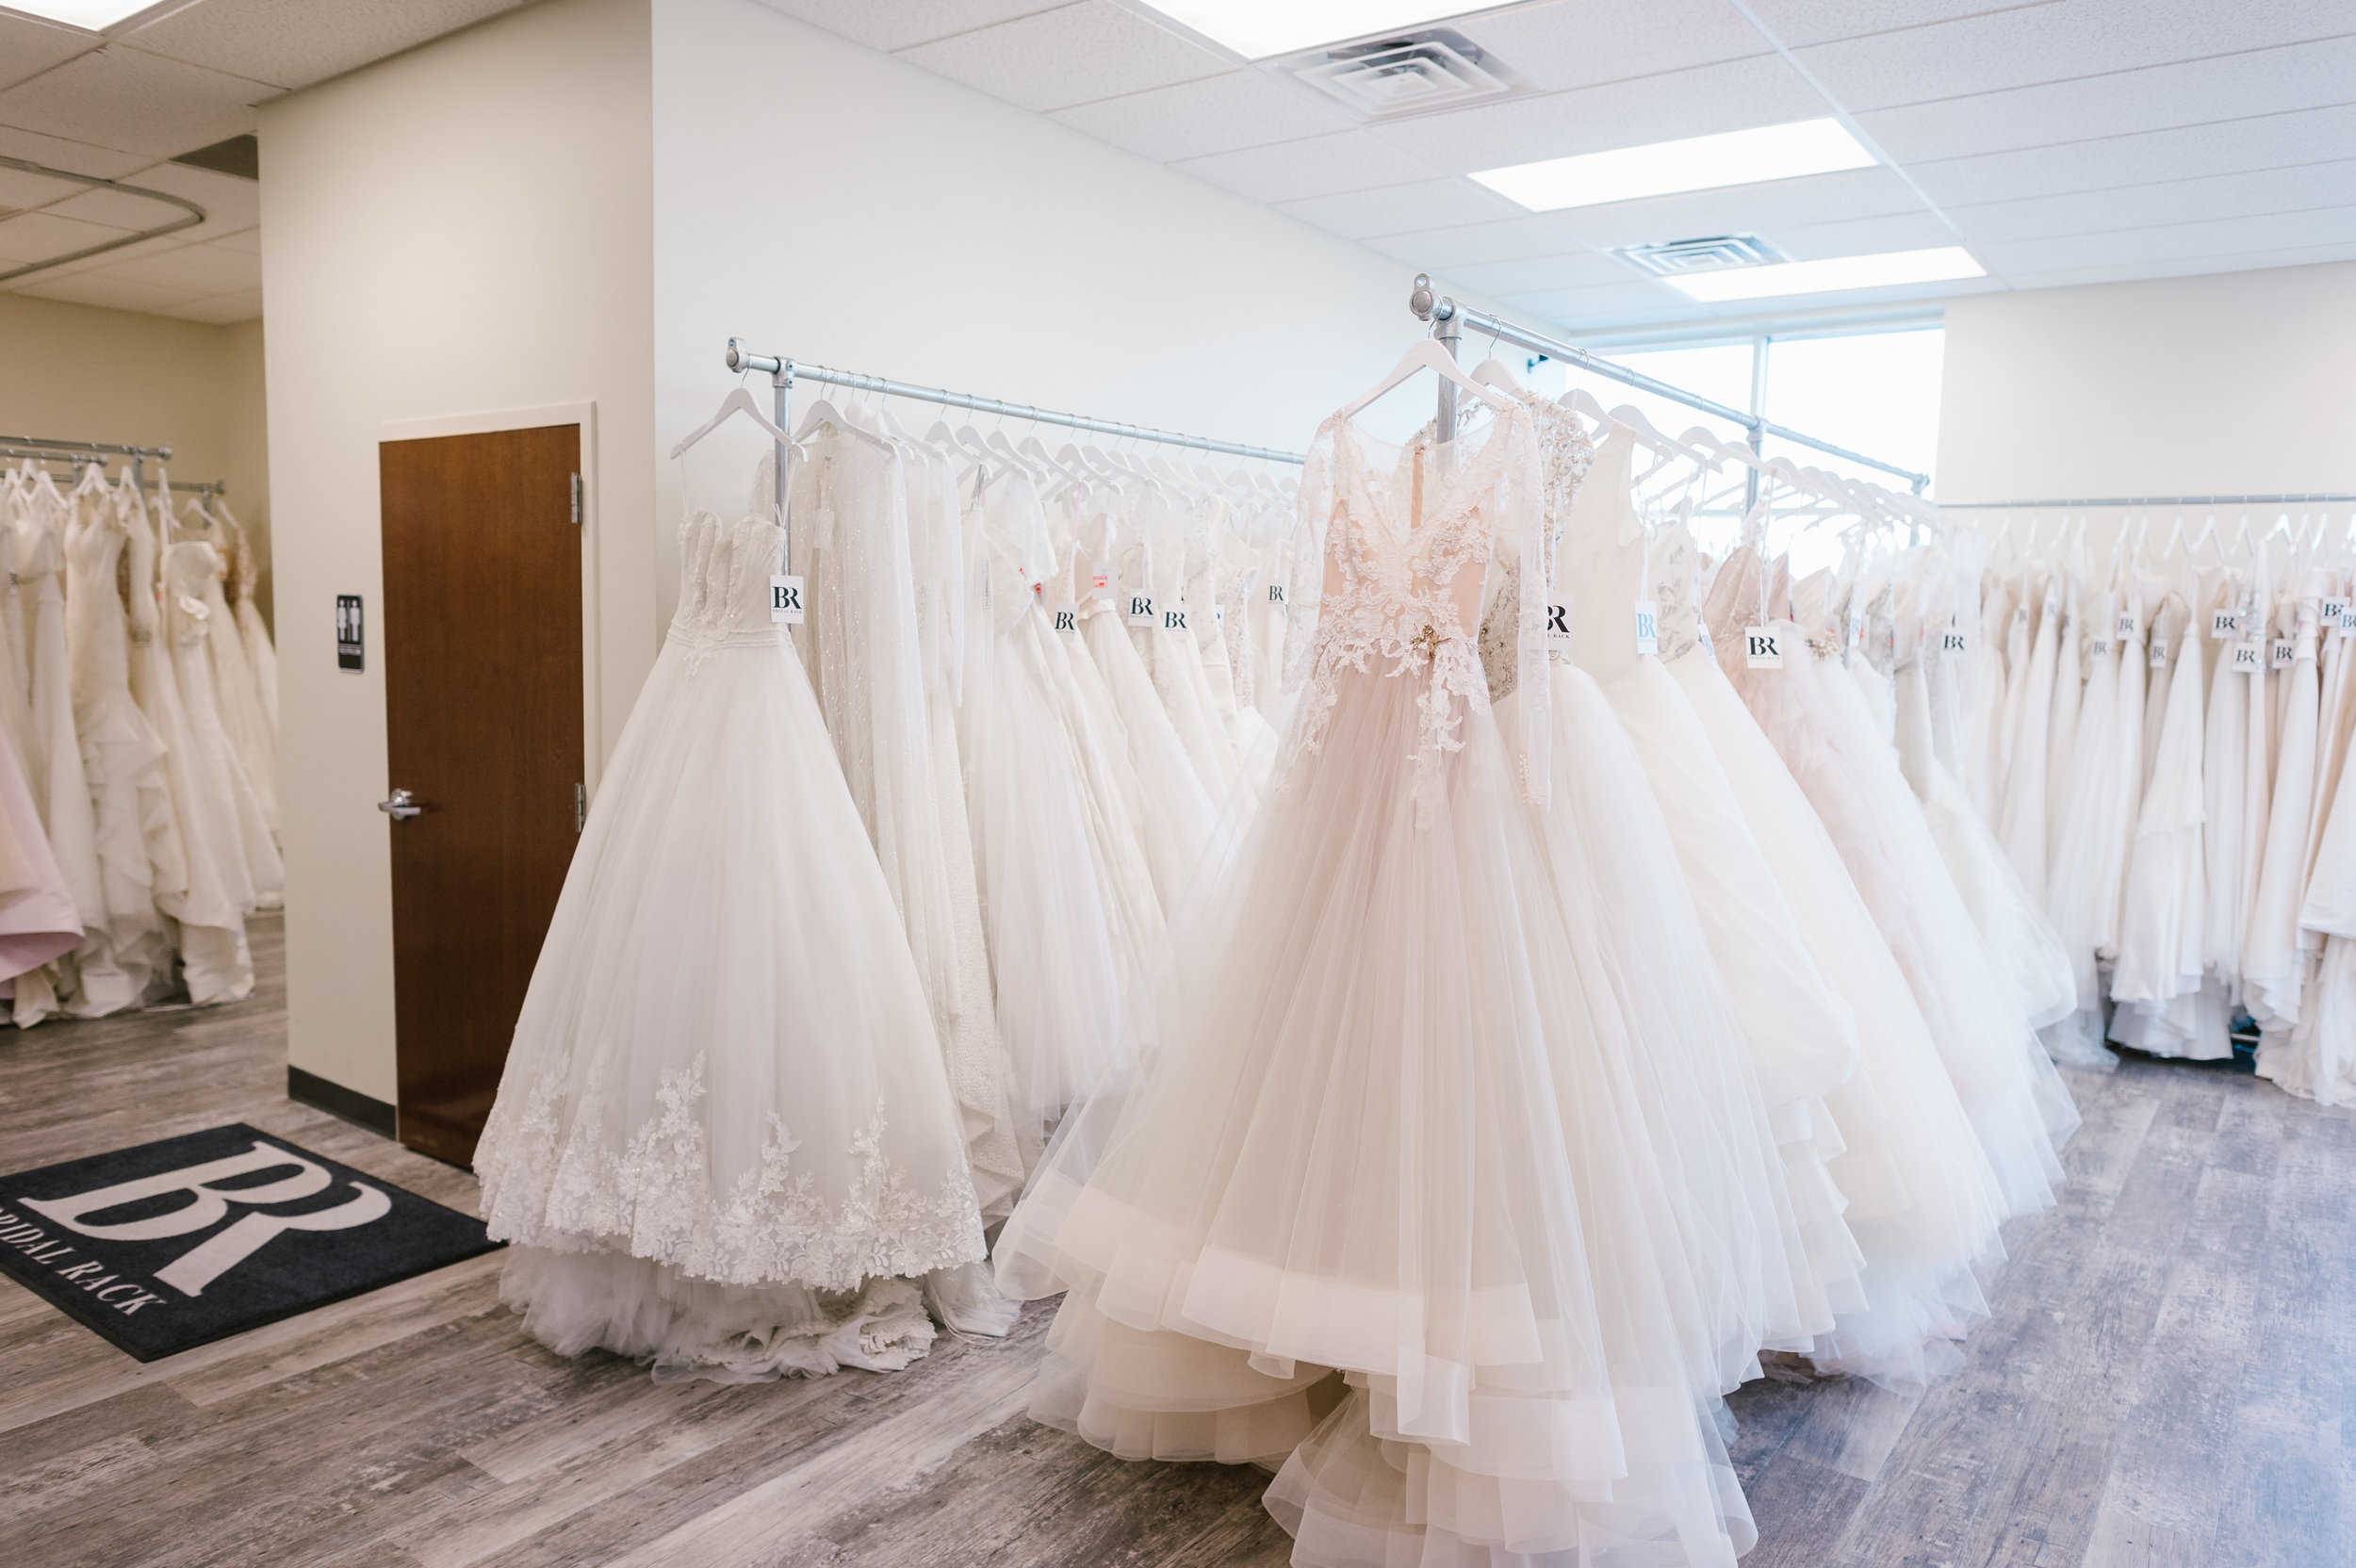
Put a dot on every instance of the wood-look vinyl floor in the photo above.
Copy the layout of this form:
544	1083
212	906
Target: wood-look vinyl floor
2168	1382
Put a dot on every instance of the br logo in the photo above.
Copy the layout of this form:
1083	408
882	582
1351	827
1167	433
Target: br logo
785	595
208	1204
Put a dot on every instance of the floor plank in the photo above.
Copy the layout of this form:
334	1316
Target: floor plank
2166	1381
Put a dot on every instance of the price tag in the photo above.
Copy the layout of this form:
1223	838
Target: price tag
1219	614
1559	623
1954	643
2223	623
2285	652
785	600
1142	610
1100	582
1648	626
2334	614
1068	620
1276	594
2248	657
1761	648
2128	627
2159	653
1174	618
2021	616
2100	648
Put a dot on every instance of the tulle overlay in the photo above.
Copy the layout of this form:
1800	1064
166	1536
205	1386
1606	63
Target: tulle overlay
725	1073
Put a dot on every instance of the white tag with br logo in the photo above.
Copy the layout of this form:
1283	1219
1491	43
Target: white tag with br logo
1710	646
1559	623
2249	659
1954	643
1276	594
2334	614
1068	620
1174	620
2159	653
2223	623
2100	648
2285	651
2127	628
1761	649
1142	610
1647	626
1100	582
785	600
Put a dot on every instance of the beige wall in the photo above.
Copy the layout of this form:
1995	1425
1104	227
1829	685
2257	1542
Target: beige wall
82	373
2235	383
460	230
824	201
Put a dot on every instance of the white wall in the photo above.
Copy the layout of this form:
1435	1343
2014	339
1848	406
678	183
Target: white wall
83	373
2237	383
459	228
823	201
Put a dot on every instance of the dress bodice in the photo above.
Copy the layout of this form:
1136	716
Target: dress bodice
191	577
724	582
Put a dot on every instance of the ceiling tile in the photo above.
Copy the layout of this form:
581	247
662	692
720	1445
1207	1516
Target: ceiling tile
29	46
1574	308
218	309
1732	96
292	43
2217	196
83	157
2127	248
2148	157
139	103
1218	114
1854	193
902	23
84	289
230	204
1402	209
1543	275
198	268
1575	44
1513	239
1314	166
2268	81
20	191
2058	42
1799	23
248	240
1074	55
37	236
1862	237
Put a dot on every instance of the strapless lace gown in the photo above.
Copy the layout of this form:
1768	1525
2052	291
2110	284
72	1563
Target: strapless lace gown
724	1139
1387	1129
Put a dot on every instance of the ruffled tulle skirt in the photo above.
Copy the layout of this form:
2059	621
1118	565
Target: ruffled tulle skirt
1387	1124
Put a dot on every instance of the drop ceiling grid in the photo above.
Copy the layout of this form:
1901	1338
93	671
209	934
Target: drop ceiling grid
2154	111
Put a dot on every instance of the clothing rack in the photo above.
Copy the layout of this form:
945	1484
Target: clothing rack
782	372
1449	320
2155	500
41	449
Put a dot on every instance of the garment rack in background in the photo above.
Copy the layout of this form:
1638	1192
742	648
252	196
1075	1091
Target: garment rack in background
1449	320
782	372
43	449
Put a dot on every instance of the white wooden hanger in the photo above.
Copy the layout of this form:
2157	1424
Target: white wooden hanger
1425	353
737	402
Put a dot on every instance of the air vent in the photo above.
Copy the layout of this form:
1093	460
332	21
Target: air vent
1409	73
1718	254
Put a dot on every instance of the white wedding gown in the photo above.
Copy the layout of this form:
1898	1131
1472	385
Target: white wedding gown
1389	1131
724	1139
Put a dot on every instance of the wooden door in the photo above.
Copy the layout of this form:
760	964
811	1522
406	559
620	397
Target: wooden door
483	718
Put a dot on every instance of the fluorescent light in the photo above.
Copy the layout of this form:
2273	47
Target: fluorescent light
1944	264
1257	28
1668	167
91	16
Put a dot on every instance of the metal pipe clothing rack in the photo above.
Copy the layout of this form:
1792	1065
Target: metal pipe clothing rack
42	448
1450	321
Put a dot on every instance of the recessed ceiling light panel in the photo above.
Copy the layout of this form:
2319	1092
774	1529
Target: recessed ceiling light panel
1672	168
1942	264
91	16
1258	28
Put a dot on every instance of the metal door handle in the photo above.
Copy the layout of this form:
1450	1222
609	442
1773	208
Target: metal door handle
401	807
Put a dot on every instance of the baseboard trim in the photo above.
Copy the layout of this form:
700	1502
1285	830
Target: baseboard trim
351	1106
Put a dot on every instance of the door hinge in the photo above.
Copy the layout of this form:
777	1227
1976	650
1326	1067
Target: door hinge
576	500
580	807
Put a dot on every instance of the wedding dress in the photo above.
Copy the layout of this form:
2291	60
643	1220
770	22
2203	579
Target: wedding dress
1387	1130
2015	1098
208	888
866	663
2156	981
251	731
191	591
261	655
2089	872
2029	707
2224	781
136	836
724	1139
37	924
1153	574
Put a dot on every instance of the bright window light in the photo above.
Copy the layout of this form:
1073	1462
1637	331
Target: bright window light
90	15
1670	168
1257	28
1944	264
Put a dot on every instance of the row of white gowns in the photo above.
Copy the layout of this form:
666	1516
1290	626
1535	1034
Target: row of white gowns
2165	756
142	707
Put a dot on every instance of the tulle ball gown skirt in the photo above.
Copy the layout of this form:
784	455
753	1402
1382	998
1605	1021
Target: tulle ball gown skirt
1382	1132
